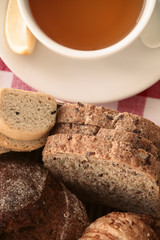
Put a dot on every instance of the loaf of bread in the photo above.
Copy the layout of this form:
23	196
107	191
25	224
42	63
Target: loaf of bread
109	172
26	115
107	118
35	206
122	226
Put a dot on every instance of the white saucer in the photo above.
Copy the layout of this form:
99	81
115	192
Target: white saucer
94	81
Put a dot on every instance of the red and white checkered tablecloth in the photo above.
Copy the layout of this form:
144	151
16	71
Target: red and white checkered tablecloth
146	104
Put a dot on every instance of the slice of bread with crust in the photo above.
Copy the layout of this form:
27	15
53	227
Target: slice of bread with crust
26	115
118	134
108	118
109	172
22	146
126	226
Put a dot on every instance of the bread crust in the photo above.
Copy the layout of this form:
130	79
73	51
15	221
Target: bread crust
74	128
118	134
4	150
104	117
20	145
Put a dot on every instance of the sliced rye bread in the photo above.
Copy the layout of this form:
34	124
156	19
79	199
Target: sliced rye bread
108	118
74	128
21	146
108	172
26	115
110	134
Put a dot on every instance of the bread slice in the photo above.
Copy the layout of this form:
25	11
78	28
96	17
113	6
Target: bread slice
118	134
108	172
21	146
108	118
26	115
126	226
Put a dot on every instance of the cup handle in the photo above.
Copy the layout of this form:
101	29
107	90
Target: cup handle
151	34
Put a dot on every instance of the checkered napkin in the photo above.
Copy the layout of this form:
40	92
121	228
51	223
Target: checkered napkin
146	104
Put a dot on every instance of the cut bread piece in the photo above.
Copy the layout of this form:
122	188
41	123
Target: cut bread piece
108	118
26	115
118	226
22	146
108	172
118	134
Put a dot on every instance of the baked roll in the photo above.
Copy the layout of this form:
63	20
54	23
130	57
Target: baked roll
118	226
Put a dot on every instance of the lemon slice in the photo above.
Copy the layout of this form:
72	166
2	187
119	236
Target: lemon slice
19	37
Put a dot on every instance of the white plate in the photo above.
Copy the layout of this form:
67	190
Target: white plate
94	81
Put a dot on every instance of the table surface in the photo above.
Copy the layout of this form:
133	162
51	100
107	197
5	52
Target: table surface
146	103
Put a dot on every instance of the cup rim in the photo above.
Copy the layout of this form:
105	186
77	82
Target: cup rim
84	54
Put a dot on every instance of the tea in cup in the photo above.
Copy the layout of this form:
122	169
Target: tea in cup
86	28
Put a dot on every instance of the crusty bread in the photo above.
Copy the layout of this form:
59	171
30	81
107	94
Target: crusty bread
118	134
26	115
130	137
108	118
20	145
121	226
35	206
83	113
109	172
74	128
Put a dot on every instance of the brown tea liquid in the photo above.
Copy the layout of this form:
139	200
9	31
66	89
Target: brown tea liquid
86	24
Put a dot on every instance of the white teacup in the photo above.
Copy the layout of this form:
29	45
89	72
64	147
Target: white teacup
54	46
